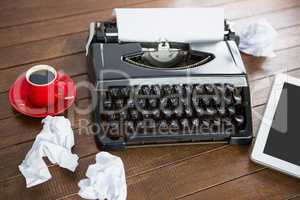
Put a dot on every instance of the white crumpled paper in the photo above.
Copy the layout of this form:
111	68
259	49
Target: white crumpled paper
106	179
257	39
55	142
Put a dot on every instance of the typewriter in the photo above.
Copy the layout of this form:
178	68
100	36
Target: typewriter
159	93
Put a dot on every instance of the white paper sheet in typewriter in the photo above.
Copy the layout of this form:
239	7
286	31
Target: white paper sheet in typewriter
170	24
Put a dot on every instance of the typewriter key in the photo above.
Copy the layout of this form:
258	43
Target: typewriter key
167	89
200	111
184	101
210	111
134	114
231	110
146	114
227	100
220	88
195	122
155	90
229	87
119	103
188	112
206	100
221	110
209	88
153	103
187	90
164	102
125	91
156	114
216	100
146	90
184	123
114	92
227	121
237	99
130	103
124	114
239	119
129	127
141	103
113	116
217	122
107	104
198	89
205	123
178	112
177	89
140	125
163	124
174	102
114	130
174	124
167	113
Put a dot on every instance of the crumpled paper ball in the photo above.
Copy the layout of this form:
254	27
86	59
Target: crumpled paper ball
257	39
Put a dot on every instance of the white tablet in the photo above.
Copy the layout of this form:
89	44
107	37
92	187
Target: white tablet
277	143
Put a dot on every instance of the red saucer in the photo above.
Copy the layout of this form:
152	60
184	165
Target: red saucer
18	98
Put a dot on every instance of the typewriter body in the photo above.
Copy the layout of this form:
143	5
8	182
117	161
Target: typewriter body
167	92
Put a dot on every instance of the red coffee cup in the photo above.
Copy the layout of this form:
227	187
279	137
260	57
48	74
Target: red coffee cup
44	87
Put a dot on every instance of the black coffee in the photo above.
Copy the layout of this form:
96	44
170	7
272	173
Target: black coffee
41	77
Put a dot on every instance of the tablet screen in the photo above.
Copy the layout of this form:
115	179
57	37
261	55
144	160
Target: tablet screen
284	137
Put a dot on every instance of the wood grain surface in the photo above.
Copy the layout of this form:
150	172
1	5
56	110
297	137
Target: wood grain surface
54	32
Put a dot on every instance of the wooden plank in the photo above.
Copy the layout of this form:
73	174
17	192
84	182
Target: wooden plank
260	82
173	179
259	93
76	64
256	122
266	184
279	19
12	156
292	74
140	162
136	161
72	65
297	197
7	111
67	190
41	50
79	23
36	11
285	61
4	126
67	25
19	151
51	28
31	126
17	56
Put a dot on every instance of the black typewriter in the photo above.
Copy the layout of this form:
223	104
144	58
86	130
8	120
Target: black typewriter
167	92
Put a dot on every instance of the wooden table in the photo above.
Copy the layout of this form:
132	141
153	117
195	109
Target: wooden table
54	32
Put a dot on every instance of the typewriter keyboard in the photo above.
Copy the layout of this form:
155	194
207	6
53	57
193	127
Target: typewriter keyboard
213	110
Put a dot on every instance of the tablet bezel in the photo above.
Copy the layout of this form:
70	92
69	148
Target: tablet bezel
257	154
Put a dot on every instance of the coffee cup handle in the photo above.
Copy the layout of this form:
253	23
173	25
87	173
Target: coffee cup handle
62	91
